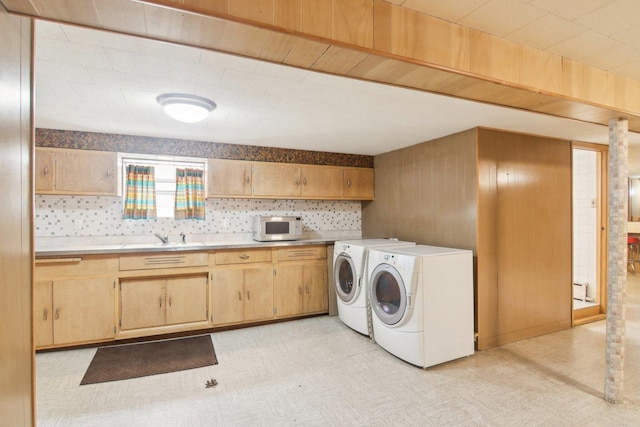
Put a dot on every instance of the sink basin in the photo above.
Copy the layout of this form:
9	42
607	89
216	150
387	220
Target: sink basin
160	245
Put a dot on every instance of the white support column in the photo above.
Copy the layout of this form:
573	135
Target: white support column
617	259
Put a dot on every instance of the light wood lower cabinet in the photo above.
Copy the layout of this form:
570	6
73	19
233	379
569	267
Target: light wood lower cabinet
301	285
95	298
73	311
242	294
160	302
301	289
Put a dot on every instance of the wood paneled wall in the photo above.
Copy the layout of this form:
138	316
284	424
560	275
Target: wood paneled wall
16	254
507	197
426	193
524	283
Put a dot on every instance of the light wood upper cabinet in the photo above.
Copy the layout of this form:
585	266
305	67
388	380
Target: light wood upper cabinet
324	182
234	178
45	170
276	180
358	183
228	178
63	171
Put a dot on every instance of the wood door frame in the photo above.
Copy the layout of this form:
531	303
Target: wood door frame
582	316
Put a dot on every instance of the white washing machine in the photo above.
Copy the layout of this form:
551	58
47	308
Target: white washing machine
422	302
349	263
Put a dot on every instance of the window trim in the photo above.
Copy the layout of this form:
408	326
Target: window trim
154	160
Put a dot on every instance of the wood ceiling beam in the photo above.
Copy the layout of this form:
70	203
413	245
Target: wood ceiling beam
372	40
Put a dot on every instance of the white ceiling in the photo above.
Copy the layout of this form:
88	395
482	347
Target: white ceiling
96	81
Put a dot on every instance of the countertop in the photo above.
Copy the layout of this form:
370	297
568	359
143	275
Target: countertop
75	246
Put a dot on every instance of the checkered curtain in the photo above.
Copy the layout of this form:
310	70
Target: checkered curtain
140	201
189	194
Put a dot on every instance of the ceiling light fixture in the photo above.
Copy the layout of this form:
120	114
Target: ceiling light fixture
186	108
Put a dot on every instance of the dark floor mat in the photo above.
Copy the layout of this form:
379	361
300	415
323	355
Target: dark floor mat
121	362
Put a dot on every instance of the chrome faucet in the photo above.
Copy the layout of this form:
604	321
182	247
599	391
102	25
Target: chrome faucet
184	237
163	239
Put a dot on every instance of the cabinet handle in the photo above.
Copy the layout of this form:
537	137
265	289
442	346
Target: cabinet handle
247	179
46	171
348	183
300	290
169	300
108	173
57	313
307	289
45	314
304	181
248	295
297	181
239	296
160	301
244	256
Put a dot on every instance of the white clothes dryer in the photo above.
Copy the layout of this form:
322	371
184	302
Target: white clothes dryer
422	302
349	262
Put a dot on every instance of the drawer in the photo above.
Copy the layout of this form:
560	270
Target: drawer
302	252
243	256
166	260
79	266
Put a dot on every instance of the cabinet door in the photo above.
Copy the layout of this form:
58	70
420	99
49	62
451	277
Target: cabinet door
227	288
42	315
321	182
258	292
186	299
358	183
86	172
289	290
276	180
45	170
83	310
314	277
229	178
142	303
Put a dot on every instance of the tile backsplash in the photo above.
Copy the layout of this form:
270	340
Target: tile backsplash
97	216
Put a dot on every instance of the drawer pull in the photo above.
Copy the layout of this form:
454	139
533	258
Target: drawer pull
165	260
58	261
244	256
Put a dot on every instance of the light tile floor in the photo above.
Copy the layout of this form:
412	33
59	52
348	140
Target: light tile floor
317	372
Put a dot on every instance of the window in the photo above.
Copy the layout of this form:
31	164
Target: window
165	176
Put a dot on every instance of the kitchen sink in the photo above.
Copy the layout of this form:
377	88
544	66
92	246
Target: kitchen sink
160	245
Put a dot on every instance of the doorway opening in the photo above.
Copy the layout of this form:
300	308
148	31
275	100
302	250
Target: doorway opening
589	232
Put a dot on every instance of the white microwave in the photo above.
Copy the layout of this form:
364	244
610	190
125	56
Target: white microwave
270	228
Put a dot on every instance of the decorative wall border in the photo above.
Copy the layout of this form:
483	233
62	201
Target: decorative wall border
179	147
